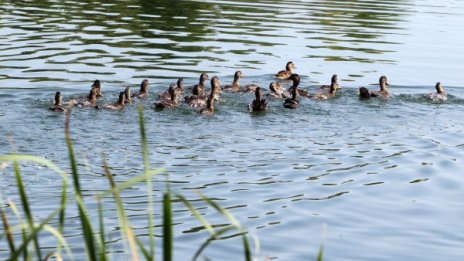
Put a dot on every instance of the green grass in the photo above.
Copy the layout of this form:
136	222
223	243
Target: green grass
28	247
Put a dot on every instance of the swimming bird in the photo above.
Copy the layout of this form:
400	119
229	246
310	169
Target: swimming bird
258	104
285	74
58	106
127	95
292	102
97	85
199	88
277	91
91	100
178	87
168	103
439	96
296	81
117	105
324	93
143	92
201	100
209	109
383	93
235	86
333	83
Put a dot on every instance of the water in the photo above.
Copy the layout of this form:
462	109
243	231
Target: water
383	178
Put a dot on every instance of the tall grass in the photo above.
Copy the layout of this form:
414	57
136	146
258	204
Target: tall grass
95	241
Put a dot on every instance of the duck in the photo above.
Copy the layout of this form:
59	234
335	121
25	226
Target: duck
258	104
143	93
285	74
209	109
439	96
364	93
178	87
296	81
250	88
333	83
91	100
199	88
97	85
119	105
383	93
235	86
276	91
292	102
325	94
58	106
127	95
201	100
170	102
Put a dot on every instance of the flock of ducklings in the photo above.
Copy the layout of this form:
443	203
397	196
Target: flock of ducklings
205	101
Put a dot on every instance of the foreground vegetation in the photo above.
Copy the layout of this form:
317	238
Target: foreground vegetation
24	241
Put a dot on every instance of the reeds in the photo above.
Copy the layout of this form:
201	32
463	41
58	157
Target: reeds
26	243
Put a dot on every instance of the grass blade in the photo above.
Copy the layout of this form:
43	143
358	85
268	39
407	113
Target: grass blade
7	229
213	237
102	231
197	214
167	227
146	164
85	222
26	208
124	223
321	253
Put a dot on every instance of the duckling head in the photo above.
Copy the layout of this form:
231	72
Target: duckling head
290	66
296	79
439	88
383	82
144	86
258	93
122	98
58	99
204	77
180	83
127	92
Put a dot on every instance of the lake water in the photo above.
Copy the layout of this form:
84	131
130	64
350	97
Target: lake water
372	180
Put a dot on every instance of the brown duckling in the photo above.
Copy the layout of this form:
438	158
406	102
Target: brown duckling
285	74
58	106
235	86
209	109
97	85
168	103
276	91
199	88
201	100
91	101
127	95
296	81
178	87
364	93
333	83
439	96
143	93
324	94
292	102
117	105
383	93
258	104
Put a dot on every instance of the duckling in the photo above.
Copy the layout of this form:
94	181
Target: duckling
439	96
58	106
285	74
333	83
143	93
383	93
178	87
168	103
97	85
209	109
117	105
201	100
200	87
292	103
296	81
327	94
250	88
235	86
277	91
91	101
127	95
258	104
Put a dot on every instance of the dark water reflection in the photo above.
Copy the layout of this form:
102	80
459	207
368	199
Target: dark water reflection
383	176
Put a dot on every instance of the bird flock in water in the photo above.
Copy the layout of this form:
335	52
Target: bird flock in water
205	101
